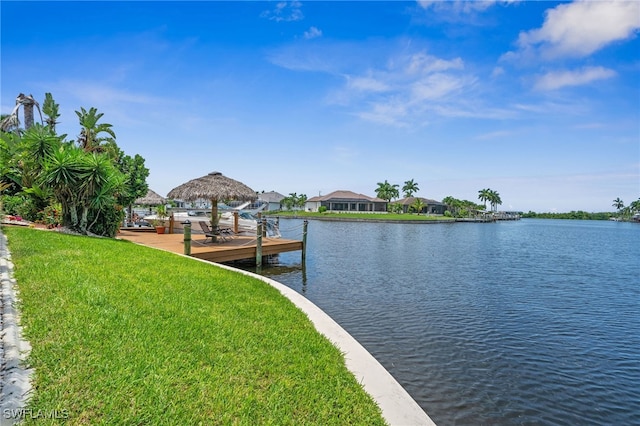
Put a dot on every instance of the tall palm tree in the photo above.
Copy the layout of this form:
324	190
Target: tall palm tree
618	204
410	187
387	191
90	139
484	195
494	199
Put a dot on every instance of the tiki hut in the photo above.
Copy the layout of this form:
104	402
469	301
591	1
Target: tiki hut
215	187
151	199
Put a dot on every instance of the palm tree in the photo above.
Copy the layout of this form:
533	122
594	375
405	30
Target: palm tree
418	205
494	199
484	195
410	187
387	191
83	183
618	204
90	139
302	200
50	109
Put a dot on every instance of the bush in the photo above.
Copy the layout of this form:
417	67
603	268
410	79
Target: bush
322	209
21	205
108	221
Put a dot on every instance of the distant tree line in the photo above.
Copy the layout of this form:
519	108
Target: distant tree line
623	213
579	214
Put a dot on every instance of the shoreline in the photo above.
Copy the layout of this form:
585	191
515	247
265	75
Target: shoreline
396	405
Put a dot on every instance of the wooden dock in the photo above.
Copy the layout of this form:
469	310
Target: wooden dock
238	248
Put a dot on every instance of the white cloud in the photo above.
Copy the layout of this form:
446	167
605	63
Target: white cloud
284	11
437	86
366	84
313	32
405	88
581	28
389	112
559	79
461	6
421	63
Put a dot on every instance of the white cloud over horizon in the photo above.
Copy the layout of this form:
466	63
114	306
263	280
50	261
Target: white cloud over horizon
580	28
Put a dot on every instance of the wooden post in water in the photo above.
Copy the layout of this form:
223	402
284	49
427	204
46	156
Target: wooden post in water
304	241
187	237
259	244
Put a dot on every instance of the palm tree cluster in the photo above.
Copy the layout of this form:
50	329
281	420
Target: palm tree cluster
458	208
387	191
87	182
491	196
294	201
626	212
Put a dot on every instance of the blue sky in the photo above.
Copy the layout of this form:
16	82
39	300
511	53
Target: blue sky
539	101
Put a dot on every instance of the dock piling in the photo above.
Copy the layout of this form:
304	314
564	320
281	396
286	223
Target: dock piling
304	241
259	244
186	225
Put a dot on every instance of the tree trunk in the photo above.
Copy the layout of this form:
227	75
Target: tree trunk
27	103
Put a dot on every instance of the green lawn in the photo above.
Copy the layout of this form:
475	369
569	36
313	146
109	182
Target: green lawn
123	334
370	216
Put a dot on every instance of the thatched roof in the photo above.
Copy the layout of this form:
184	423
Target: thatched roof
151	199
214	186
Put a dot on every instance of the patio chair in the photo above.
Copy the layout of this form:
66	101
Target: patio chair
223	234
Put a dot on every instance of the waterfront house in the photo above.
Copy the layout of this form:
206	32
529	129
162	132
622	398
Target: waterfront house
273	199
346	201
430	206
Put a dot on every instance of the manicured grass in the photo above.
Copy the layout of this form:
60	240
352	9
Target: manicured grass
368	216
123	334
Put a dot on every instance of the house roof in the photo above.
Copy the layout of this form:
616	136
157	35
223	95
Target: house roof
271	197
343	195
410	200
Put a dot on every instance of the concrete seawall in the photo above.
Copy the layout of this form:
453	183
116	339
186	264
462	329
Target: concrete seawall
398	407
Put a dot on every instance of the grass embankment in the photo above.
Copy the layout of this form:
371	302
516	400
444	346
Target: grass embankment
123	334
368	216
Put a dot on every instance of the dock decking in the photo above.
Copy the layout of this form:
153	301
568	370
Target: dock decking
238	248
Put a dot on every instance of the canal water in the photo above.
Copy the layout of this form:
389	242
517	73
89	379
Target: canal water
530	322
